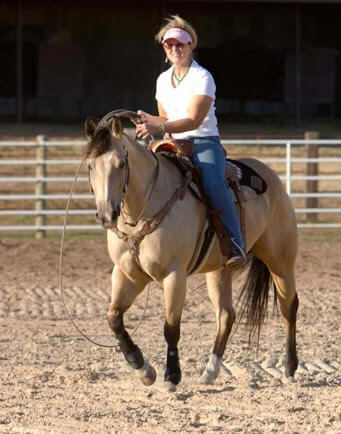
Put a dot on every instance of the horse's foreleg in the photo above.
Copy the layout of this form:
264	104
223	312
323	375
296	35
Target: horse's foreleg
175	290
219	284
124	293
288	301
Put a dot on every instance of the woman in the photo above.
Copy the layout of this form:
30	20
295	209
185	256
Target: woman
185	95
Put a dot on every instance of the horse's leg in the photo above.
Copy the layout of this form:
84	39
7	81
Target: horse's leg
175	290
219	285
288	302
124	292
280	260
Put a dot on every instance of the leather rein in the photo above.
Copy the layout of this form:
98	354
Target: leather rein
151	224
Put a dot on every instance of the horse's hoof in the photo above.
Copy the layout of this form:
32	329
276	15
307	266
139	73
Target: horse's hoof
169	386
288	380
206	378
211	371
146	374
150	378
173	376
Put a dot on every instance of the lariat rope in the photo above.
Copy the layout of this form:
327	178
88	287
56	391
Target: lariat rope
61	280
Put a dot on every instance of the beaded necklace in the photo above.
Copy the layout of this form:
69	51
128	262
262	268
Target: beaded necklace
179	80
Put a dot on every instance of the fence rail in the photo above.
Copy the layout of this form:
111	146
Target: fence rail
41	180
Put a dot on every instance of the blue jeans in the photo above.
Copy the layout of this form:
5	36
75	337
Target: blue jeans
208	155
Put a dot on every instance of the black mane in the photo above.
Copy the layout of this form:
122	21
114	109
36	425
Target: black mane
99	144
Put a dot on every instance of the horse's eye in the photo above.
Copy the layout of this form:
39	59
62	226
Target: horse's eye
121	165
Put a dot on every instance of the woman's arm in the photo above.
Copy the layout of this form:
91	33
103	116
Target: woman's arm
197	111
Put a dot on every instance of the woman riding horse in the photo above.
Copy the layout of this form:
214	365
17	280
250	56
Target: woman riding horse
155	233
185	95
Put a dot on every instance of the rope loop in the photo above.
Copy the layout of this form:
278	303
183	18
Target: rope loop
61	290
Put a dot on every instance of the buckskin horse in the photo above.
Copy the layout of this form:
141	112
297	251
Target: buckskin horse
155	228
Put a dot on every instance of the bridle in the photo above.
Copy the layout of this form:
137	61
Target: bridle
105	121
124	192
134	240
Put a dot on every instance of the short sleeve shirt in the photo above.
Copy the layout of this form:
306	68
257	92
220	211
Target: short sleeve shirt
175	100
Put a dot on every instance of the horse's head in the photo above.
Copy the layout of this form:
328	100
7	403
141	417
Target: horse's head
107	161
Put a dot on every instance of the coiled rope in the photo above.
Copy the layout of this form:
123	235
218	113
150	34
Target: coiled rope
61	279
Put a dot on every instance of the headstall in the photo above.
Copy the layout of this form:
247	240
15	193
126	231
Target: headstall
151	224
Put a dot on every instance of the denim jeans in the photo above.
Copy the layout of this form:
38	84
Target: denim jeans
208	155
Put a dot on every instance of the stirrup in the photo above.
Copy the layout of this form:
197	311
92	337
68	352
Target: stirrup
237	255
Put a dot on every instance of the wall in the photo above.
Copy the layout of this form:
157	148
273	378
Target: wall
90	58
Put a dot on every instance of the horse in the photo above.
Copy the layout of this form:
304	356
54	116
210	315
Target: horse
155	228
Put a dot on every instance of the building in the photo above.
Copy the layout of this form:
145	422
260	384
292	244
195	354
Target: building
68	59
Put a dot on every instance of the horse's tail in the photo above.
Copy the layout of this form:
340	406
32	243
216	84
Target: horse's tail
254	296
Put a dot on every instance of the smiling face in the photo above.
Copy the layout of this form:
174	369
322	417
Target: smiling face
177	53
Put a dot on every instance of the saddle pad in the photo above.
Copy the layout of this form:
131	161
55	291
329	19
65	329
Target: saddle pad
250	177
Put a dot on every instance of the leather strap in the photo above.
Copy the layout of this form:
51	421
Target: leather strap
134	240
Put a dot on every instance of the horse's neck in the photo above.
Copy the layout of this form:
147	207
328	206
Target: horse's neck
152	181
142	170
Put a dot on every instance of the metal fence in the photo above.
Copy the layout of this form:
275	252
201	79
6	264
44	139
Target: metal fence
309	175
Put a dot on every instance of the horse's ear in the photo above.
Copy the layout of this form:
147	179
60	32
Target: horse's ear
117	128
90	126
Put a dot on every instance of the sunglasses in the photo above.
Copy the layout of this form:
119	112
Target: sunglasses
178	45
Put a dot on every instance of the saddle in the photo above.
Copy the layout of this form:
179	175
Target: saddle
236	172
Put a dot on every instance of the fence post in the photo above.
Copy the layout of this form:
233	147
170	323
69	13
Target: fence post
312	151
40	187
288	167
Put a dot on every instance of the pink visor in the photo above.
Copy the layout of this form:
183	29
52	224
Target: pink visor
178	34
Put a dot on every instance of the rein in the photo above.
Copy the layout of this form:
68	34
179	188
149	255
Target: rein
155	177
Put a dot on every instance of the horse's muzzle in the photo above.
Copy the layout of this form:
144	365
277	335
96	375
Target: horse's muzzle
106	222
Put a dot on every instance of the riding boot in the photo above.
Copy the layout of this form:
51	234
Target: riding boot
236	254
236	246
229	247
230	220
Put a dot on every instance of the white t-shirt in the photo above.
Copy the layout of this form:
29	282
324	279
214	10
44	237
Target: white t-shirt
175	100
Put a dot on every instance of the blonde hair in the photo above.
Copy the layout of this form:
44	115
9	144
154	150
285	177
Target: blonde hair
177	22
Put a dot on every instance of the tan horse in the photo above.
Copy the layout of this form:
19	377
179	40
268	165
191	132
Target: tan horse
155	227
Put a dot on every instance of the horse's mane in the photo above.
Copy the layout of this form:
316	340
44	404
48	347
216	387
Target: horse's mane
100	143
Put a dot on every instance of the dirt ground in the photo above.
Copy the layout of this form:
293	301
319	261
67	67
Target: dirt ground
54	381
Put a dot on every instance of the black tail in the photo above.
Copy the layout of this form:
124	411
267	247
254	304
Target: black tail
253	298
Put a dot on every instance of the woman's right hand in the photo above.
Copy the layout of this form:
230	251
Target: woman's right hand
148	124
145	117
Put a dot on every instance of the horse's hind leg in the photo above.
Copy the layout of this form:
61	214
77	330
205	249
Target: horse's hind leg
277	248
288	302
124	292
219	284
